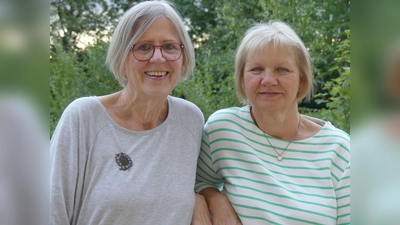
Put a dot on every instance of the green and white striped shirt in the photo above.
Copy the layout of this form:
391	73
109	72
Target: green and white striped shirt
311	185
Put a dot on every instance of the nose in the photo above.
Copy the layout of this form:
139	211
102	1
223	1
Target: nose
268	78
157	55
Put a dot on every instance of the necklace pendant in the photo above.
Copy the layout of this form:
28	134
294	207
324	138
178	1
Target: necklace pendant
124	161
279	158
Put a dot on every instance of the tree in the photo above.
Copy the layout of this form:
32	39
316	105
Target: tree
336	92
216	28
71	19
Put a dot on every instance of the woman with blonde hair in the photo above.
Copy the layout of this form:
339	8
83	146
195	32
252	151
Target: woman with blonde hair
273	164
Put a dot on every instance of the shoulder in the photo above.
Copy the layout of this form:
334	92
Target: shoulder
185	112
328	128
184	108
333	136
83	111
230	114
82	104
329	134
233	119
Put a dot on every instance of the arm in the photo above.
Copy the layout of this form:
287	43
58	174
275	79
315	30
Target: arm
342	181
343	197
207	184
220	207
64	166
201	215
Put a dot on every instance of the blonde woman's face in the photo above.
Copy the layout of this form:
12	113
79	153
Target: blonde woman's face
271	79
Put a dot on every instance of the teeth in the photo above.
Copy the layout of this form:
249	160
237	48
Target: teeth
156	73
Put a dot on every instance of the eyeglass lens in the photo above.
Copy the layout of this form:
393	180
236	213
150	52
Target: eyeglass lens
169	51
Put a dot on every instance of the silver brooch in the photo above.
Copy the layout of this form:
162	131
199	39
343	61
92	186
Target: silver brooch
124	161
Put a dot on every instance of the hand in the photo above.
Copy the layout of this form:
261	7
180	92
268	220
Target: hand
225	215
221	209
201	214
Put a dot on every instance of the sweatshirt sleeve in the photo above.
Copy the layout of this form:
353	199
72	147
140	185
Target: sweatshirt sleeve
65	190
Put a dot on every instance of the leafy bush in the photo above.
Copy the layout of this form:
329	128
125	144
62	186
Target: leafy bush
217	28
336	95
77	74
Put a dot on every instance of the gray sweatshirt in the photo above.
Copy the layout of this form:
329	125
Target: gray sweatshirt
87	185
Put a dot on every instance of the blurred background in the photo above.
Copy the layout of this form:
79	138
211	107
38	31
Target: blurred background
375	108
24	105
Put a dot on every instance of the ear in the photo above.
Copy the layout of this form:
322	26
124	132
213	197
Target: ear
301	84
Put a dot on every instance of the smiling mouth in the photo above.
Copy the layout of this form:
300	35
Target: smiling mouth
269	93
156	73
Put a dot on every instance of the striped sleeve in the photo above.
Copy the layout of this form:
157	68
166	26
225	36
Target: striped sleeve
206	175
343	197
340	172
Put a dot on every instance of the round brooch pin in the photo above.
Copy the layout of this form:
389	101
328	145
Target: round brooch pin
124	161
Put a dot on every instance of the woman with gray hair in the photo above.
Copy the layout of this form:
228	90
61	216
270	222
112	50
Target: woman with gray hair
130	157
272	164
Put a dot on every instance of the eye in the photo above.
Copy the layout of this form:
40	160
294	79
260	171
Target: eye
143	47
256	69
283	70
170	46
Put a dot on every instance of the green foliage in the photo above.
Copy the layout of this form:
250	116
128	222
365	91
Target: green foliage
211	87
96	78
64	82
216	28
77	74
336	95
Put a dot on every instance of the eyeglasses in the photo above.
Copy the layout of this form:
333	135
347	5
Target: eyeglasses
169	51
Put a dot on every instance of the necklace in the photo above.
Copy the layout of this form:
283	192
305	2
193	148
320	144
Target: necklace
280	157
122	159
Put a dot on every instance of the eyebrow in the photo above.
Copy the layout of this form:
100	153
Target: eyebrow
162	41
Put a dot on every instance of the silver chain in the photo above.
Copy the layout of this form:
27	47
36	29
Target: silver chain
280	157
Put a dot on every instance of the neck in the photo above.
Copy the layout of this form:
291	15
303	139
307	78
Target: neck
138	113
281	125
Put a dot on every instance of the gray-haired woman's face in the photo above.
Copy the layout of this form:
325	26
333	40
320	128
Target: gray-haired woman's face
157	76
